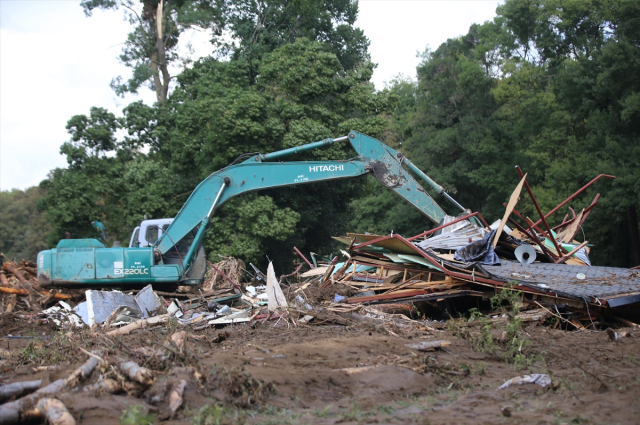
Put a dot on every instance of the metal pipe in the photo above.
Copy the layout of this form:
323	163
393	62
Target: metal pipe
535	204
430	182
529	222
584	216
304	258
303	148
575	194
215	201
446	195
423	176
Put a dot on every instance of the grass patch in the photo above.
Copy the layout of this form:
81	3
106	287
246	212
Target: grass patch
217	414
135	415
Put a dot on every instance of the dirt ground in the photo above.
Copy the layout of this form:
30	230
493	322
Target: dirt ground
340	374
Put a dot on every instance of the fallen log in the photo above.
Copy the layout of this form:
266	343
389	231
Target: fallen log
12	268
137	373
29	270
179	338
10	412
103	385
16	389
15	291
11	303
19	291
428	345
55	412
175	396
57	295
125	330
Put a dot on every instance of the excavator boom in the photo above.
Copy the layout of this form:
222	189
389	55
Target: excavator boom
84	262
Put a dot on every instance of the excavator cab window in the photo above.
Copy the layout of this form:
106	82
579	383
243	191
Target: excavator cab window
152	234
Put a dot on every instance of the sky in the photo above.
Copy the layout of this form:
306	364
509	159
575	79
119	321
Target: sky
56	63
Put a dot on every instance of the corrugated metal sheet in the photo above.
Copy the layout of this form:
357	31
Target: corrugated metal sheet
462	236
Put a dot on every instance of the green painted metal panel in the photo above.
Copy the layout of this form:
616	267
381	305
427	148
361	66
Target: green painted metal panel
108	260
137	263
418	259
75	264
165	271
80	243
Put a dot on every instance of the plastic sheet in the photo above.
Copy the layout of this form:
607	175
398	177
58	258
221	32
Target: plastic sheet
479	252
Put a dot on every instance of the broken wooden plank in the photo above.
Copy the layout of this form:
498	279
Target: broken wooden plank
397	294
513	200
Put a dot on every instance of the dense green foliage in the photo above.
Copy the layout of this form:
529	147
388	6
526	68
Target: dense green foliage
552	86
288	91
549	85
23	228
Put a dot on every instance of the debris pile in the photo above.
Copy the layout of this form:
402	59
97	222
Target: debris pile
20	289
390	284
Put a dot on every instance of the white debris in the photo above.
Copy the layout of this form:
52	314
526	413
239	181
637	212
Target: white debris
541	379
274	292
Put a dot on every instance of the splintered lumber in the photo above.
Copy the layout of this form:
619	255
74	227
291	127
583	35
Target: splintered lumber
139	324
175	396
105	385
179	338
12	268
568	234
137	373
11	303
18	389
428	345
513	200
55	412
396	294
10	412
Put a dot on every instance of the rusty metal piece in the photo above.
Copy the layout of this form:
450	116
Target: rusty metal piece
559	249
526	220
587	210
574	195
304	258
294	272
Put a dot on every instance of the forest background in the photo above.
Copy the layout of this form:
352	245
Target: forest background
552	86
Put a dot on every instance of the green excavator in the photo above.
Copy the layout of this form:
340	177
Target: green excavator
177	257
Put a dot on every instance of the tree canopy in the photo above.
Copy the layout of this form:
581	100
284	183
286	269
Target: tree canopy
550	85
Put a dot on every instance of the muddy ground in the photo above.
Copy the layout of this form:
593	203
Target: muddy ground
340	374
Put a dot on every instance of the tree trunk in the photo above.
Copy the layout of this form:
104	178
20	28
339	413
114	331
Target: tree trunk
156	77
162	58
634	236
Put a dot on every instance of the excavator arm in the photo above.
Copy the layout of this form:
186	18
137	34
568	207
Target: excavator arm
256	173
89	262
